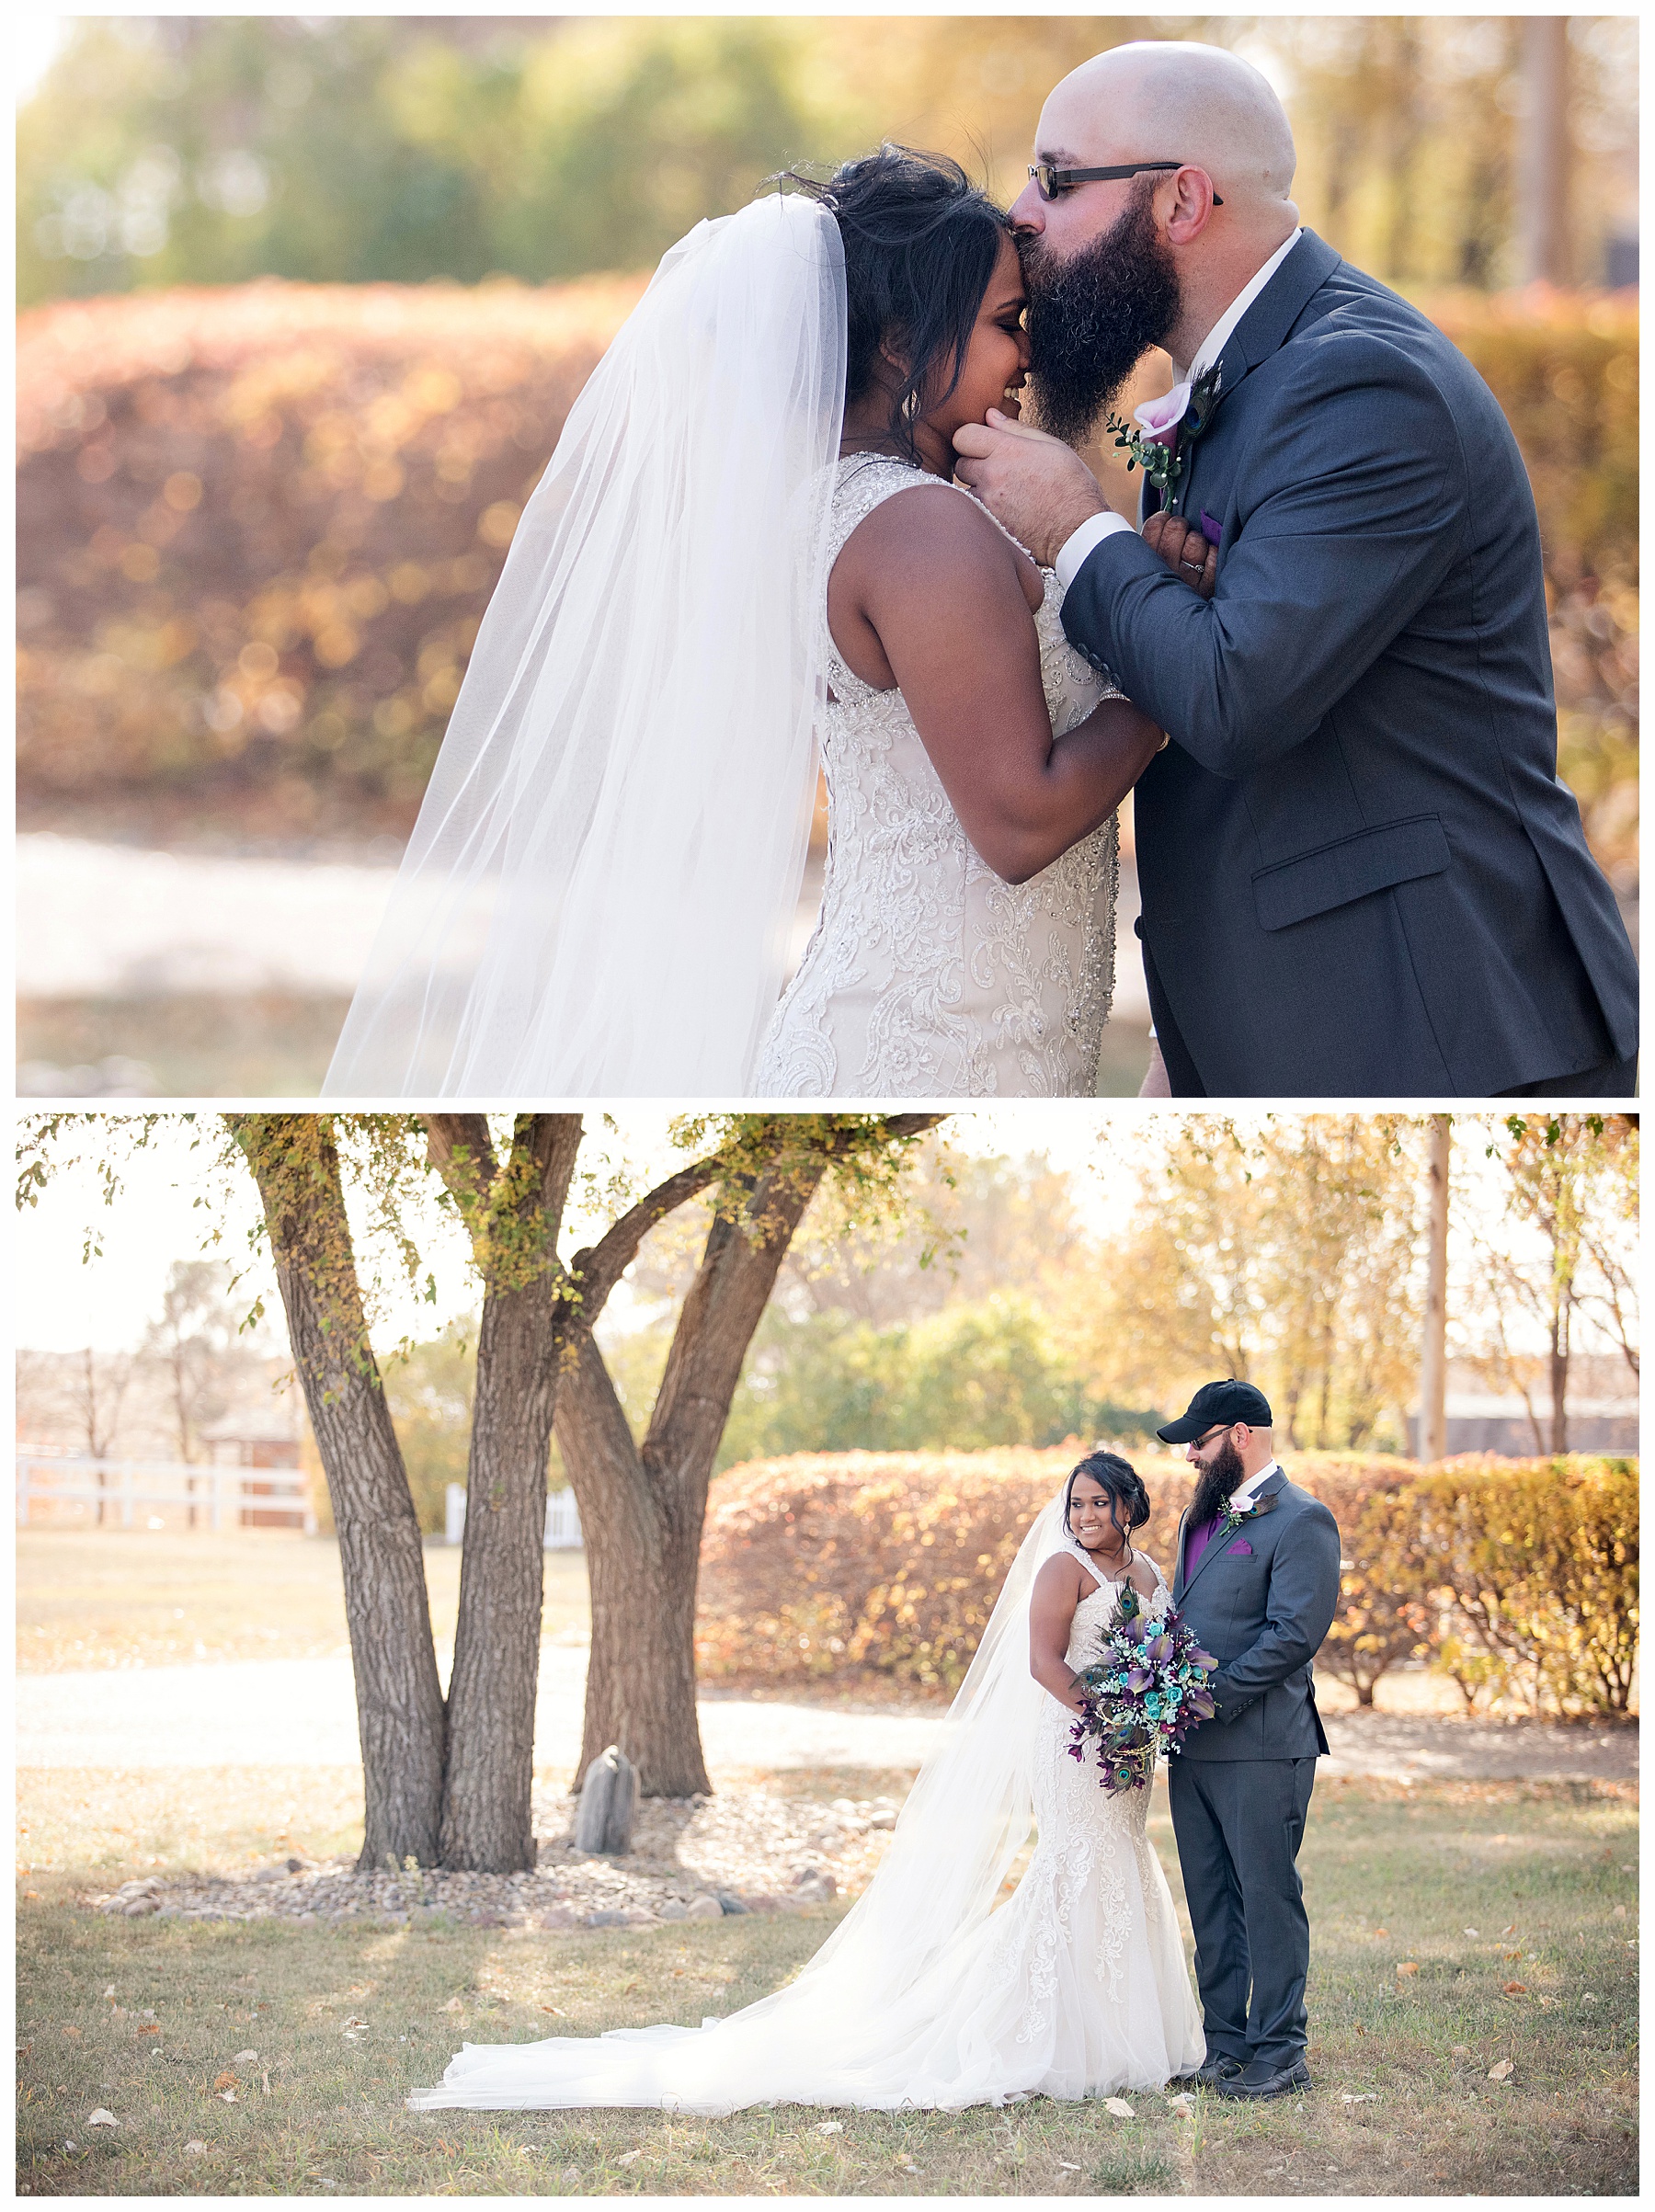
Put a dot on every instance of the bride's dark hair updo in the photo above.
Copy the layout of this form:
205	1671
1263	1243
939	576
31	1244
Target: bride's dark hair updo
920	244
1124	1484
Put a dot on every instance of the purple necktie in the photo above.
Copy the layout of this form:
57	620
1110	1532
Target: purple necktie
1196	1542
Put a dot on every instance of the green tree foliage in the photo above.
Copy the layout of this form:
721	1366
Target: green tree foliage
1284	1256
431	1391
205	148
964	1379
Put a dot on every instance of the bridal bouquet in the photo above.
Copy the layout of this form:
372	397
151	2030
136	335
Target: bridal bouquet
1142	1696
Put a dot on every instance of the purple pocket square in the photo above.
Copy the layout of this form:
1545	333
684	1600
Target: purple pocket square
1246	1549
1212	531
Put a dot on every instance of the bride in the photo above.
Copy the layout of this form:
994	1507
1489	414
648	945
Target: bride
715	577
932	1993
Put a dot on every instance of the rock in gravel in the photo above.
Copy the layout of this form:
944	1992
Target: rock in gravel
608	1797
744	1846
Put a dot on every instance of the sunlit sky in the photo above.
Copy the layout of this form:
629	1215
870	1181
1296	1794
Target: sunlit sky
106	1301
36	37
159	1217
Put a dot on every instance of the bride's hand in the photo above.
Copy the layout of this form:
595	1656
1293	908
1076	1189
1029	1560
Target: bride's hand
1186	552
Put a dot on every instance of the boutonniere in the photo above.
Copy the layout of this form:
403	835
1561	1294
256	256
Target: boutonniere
1234	1515
1159	437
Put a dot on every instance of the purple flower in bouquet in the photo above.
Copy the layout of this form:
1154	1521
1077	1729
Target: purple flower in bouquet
1142	1696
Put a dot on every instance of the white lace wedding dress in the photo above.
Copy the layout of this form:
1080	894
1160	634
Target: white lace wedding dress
928	976
1075	1986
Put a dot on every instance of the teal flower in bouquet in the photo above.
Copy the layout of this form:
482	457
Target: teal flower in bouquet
1143	1697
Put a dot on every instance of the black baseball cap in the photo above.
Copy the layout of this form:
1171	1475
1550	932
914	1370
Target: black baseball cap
1218	1403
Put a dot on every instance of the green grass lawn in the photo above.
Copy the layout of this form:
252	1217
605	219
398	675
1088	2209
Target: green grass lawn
1404	2102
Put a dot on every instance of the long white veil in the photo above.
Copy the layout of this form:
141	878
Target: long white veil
598	893
874	2019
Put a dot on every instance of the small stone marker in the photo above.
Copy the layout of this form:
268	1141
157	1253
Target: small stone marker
608	1797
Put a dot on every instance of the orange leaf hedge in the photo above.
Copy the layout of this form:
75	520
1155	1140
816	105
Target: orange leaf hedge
879	1569
878	1566
258	528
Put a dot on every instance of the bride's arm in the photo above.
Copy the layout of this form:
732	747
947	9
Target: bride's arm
929	594
1051	1616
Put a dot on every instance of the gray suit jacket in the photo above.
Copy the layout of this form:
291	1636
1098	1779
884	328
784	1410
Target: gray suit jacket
1360	872
1260	1600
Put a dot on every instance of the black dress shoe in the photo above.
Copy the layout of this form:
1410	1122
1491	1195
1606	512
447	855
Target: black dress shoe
1218	2066
1266	2078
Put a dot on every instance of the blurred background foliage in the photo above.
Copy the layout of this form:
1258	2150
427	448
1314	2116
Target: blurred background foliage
159	150
308	300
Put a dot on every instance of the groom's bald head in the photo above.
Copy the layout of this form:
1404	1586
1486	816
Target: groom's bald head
1177	100
1116	265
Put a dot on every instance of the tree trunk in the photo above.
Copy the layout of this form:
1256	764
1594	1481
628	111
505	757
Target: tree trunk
487	1823
643	1510
1542	152
399	1698
1559	1380
642	1558
1433	1350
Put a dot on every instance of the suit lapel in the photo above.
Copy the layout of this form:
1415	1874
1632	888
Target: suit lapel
1263	330
1266	1491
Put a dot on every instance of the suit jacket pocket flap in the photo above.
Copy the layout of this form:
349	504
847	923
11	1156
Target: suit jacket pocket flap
1335	875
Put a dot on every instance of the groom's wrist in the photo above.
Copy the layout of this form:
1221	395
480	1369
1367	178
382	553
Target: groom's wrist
1080	543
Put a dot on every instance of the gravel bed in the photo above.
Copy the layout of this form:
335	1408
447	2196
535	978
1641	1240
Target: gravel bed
695	1858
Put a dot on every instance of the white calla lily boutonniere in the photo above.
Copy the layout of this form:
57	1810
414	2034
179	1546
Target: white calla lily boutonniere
1158	437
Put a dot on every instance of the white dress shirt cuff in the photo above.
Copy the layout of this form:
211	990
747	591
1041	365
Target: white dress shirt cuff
1073	550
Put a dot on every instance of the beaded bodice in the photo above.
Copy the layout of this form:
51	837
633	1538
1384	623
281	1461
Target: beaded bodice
928	975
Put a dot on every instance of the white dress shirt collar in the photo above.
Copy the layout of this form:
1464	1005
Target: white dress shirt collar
1076	547
1244	1493
1219	337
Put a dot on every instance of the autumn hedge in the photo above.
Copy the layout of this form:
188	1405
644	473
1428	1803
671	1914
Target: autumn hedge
1517	1577
258	528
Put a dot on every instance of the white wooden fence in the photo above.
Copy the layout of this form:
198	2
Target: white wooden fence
114	1493
563	1521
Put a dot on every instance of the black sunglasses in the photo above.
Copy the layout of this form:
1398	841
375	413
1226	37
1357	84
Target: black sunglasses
1053	180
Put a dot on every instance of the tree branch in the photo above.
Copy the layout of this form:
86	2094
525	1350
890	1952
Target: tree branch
461	1149
599	1269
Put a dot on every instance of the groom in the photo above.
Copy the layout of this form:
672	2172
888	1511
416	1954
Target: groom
1360	873
1256	1577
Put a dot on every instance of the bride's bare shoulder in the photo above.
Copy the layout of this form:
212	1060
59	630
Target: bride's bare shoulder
934	531
1058	1577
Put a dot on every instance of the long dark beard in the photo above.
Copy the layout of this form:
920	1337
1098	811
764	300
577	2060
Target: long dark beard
1092	318
1220	1477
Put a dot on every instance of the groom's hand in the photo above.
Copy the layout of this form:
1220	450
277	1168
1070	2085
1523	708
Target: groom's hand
1186	552
1037	486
